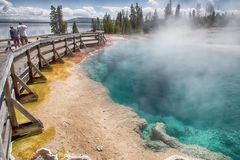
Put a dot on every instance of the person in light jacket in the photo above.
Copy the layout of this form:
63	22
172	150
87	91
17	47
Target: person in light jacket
22	32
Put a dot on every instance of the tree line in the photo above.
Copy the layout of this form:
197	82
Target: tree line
210	19
133	21
125	23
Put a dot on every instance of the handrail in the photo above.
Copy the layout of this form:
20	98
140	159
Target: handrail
44	35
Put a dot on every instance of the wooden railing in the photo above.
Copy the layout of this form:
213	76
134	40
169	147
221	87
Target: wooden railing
7	44
24	66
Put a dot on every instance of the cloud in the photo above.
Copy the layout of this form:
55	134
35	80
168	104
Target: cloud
85	11
153	2
9	11
114	10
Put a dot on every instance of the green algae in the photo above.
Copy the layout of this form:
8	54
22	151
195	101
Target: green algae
25	149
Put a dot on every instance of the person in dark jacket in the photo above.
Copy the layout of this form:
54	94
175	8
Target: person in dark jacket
14	36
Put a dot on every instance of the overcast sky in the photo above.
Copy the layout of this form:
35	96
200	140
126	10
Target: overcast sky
39	9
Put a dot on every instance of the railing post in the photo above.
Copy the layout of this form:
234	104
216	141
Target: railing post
39	57
9	47
53	45
80	37
2	152
66	46
15	83
10	105
56	56
74	43
99	39
31	76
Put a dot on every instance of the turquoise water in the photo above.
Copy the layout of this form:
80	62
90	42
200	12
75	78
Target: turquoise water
193	89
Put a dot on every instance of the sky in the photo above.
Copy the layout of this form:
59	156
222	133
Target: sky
39	9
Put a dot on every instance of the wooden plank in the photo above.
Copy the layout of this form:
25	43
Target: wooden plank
10	105
38	71
47	52
39	56
7	137
58	48
25	112
23	74
87	40
18	52
56	56
27	129
31	76
91	35
5	65
74	44
59	58
47	65
25	86
71	53
3	115
2	153
14	81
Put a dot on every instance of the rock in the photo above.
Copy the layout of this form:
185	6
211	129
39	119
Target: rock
203	153
141	125
45	154
159	133
99	148
176	158
81	157
156	146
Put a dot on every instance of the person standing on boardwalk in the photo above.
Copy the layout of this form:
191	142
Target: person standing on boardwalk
14	36
22	32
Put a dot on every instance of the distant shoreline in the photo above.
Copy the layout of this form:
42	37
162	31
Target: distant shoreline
21	21
37	22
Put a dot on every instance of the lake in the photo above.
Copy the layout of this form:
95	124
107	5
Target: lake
39	28
188	79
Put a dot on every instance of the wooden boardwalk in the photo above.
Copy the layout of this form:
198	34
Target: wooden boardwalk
23	66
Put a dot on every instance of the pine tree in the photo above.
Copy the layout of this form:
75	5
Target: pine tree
209	8
133	17
122	22
128	24
194	13
177	13
107	24
53	20
63	27
198	9
60	19
56	17
125	23
155	19
98	24
75	28
94	25
139	21
148	22
168	10
117	25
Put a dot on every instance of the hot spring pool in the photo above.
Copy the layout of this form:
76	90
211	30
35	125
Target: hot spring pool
193	87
